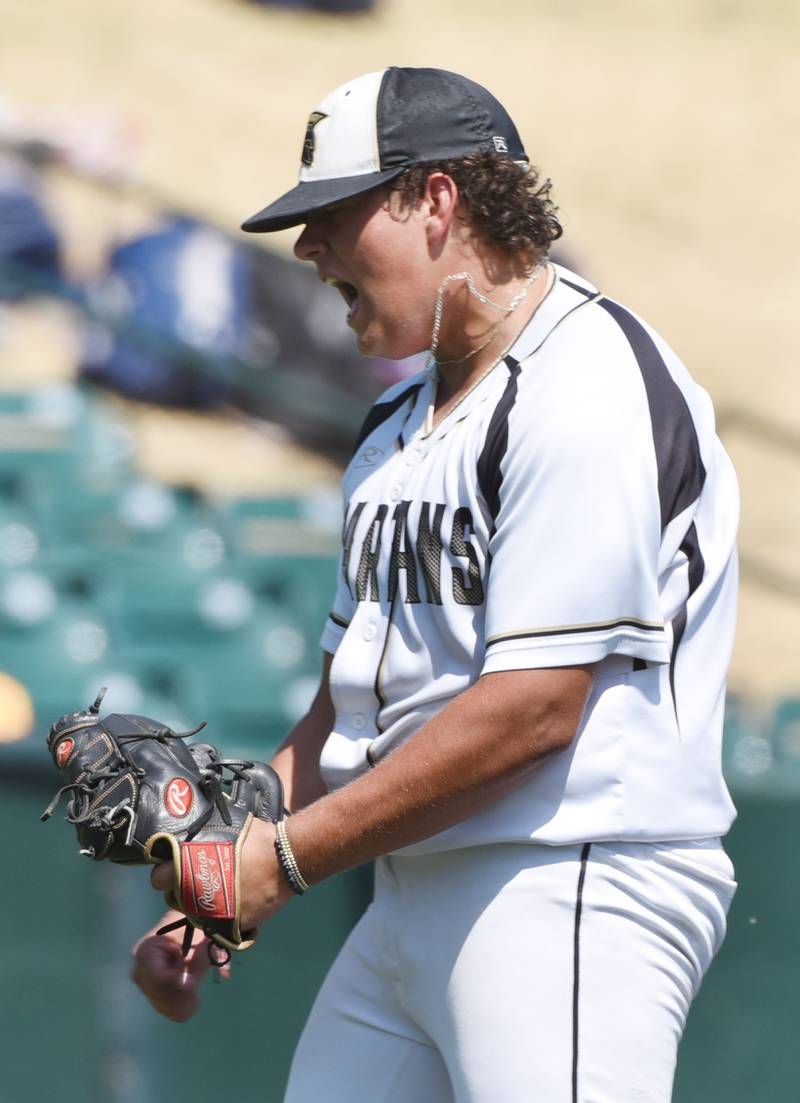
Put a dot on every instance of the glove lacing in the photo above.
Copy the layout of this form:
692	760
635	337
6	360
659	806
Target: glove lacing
110	819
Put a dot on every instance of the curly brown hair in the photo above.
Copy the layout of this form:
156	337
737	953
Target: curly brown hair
505	202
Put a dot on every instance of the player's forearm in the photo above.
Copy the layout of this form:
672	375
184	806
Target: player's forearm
297	759
484	744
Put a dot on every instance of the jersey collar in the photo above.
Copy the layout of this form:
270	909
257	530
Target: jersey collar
567	293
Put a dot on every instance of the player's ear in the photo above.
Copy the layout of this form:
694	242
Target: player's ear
439	203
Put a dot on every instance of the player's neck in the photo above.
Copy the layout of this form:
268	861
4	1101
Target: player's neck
468	352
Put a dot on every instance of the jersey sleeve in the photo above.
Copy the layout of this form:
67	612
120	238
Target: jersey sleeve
574	549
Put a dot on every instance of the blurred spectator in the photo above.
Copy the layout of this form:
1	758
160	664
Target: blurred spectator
176	302
189	317
29	247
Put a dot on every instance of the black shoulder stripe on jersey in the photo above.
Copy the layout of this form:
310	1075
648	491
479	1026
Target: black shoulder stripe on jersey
577	287
495	446
381	411
681	473
696	564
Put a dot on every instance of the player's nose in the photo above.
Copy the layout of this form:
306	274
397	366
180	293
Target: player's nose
310	245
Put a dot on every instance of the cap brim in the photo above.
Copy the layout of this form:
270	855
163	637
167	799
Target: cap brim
297	205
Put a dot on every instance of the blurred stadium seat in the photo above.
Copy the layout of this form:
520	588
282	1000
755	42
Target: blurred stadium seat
53	645
287	550
256	679
784	738
19	537
187	609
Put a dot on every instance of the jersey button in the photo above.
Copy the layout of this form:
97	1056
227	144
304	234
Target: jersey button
359	721
395	493
370	632
413	456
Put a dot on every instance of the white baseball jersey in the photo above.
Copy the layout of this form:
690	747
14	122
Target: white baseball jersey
575	507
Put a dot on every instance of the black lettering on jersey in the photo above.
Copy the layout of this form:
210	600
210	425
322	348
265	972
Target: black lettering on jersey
370	554
347	543
460	546
402	557
429	550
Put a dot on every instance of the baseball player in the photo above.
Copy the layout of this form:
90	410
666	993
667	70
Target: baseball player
520	711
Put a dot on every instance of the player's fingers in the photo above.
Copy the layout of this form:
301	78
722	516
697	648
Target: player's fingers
179	1010
160	971
222	971
197	962
157	961
178	1005
163	876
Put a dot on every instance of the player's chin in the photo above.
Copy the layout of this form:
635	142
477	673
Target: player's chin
368	345
368	336
376	340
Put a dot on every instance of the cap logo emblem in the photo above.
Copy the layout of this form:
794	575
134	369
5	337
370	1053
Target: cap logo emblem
500	144
308	145
178	797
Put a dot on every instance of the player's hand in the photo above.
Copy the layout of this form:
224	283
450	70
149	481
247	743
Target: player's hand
171	981
263	888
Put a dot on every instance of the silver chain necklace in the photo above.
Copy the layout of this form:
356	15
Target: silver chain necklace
428	426
507	310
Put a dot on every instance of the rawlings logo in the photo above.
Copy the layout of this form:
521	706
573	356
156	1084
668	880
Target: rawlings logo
210	880
178	797
64	750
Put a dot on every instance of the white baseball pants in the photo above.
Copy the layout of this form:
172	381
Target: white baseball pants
518	974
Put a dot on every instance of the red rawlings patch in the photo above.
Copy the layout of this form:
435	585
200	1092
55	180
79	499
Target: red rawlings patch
64	750
207	879
178	797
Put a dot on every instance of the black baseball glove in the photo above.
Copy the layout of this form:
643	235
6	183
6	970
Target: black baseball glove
139	793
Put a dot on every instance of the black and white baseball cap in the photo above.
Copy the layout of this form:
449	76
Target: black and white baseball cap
369	130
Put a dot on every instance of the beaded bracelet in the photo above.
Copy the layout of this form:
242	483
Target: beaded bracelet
288	861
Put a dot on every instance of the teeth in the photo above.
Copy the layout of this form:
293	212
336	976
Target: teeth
330	280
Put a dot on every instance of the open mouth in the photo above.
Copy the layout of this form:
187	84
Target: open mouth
348	292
